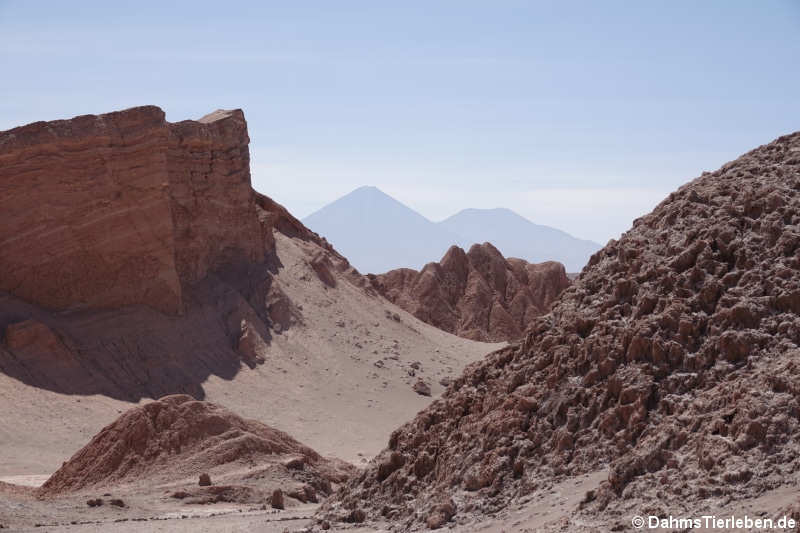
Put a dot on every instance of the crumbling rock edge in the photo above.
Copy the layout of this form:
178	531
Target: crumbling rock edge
672	361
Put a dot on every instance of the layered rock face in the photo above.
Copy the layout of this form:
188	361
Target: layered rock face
124	208
672	361
110	222
479	294
214	211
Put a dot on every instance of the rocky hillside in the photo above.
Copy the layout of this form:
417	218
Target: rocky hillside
478	295
177	438
671	363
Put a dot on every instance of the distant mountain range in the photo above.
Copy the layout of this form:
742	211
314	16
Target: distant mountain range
377	233
516	236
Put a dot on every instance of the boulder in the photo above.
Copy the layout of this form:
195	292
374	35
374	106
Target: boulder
422	388
276	500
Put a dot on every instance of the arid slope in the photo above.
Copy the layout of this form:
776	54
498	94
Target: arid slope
671	363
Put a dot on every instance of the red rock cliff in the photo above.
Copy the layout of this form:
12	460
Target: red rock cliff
124	208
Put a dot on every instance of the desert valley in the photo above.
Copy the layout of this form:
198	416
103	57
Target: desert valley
399	267
180	353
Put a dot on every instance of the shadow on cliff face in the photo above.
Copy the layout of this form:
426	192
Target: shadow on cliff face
154	228
136	352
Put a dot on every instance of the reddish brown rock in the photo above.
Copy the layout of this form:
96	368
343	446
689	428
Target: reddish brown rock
30	340
251	346
276	500
672	362
31	345
479	295
124	208
169	438
422	388
108	222
441	514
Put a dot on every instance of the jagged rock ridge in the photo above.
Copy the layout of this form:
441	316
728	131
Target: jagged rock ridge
479	294
672	361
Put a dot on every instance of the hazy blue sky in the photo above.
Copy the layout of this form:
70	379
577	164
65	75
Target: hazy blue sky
580	115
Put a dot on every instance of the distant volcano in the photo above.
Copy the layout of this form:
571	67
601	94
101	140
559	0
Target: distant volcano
377	234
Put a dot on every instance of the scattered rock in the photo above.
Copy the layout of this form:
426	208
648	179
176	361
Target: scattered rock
422	388
441	514
389	314
276	500
251	345
323	268
95	502
387	468
205	480
356	516
295	463
305	494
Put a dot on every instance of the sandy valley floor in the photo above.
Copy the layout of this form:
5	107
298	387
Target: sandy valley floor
340	380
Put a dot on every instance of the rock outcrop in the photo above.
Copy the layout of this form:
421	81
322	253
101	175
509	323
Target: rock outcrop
671	362
478	295
124	208
174	438
136	257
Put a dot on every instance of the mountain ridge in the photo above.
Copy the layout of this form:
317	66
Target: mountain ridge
373	230
482	225
378	232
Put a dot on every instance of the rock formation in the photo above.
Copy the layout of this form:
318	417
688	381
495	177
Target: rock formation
479	295
124	208
672	362
176	436
136	256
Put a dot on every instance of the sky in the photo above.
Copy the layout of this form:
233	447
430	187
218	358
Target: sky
581	115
